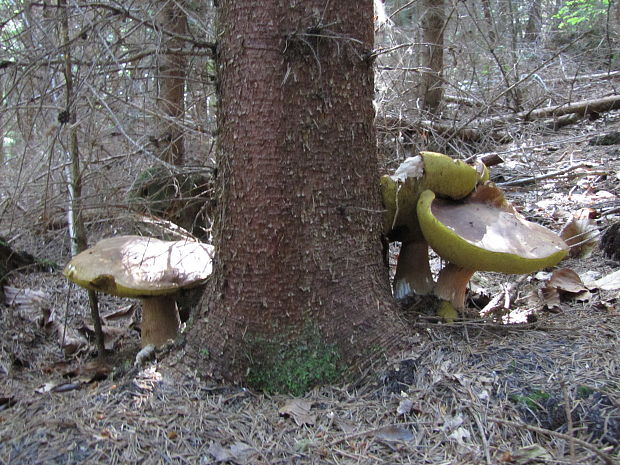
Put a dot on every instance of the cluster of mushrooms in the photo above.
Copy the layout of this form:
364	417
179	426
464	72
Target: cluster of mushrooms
431	199
434	200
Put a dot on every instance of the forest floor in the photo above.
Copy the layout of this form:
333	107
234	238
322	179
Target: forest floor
546	391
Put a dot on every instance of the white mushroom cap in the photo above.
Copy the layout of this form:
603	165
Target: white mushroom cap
136	266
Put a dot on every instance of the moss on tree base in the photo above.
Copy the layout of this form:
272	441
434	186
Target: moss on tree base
293	365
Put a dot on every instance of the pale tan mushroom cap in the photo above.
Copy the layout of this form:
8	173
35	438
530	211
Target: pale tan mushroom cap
136	266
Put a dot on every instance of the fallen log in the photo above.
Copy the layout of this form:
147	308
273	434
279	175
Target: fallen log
585	77
11	260
491	128
413	128
582	108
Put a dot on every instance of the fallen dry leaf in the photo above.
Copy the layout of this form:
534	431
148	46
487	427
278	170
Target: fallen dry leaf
460	435
550	298
393	433
404	407
123	312
581	233
299	411
606	306
239	452
111	334
35	306
611	282
57	387
565	279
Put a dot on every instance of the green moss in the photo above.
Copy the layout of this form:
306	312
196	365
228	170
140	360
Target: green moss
533	399
294	364
48	264
447	312
583	392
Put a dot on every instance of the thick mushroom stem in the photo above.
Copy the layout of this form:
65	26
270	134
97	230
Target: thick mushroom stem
452	284
413	272
160	320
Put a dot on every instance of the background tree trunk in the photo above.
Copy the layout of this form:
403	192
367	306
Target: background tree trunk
3	124
299	257
488	18
534	21
75	219
433	25
171	64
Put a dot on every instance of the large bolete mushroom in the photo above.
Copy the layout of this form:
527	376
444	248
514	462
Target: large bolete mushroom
147	268
483	233
429	170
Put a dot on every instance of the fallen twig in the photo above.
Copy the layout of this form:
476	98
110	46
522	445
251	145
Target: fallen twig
608	459
534	179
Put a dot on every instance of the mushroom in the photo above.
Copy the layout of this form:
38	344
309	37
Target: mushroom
429	170
482	233
147	268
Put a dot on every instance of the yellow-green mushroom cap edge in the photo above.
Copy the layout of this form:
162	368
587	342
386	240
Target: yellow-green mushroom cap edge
447	177
455	249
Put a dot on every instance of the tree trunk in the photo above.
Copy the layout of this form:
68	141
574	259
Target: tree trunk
534	21
488	18
299	276
433	24
172	22
3	126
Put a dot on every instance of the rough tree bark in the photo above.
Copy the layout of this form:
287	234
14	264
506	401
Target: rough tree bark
299	258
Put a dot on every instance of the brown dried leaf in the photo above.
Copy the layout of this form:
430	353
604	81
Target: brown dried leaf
581	233
111	334
347	428
239	452
393	433
25	298
566	280
299	411
550	298
219	453
584	296
606	306
404	407
123	312
68	338
33	306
